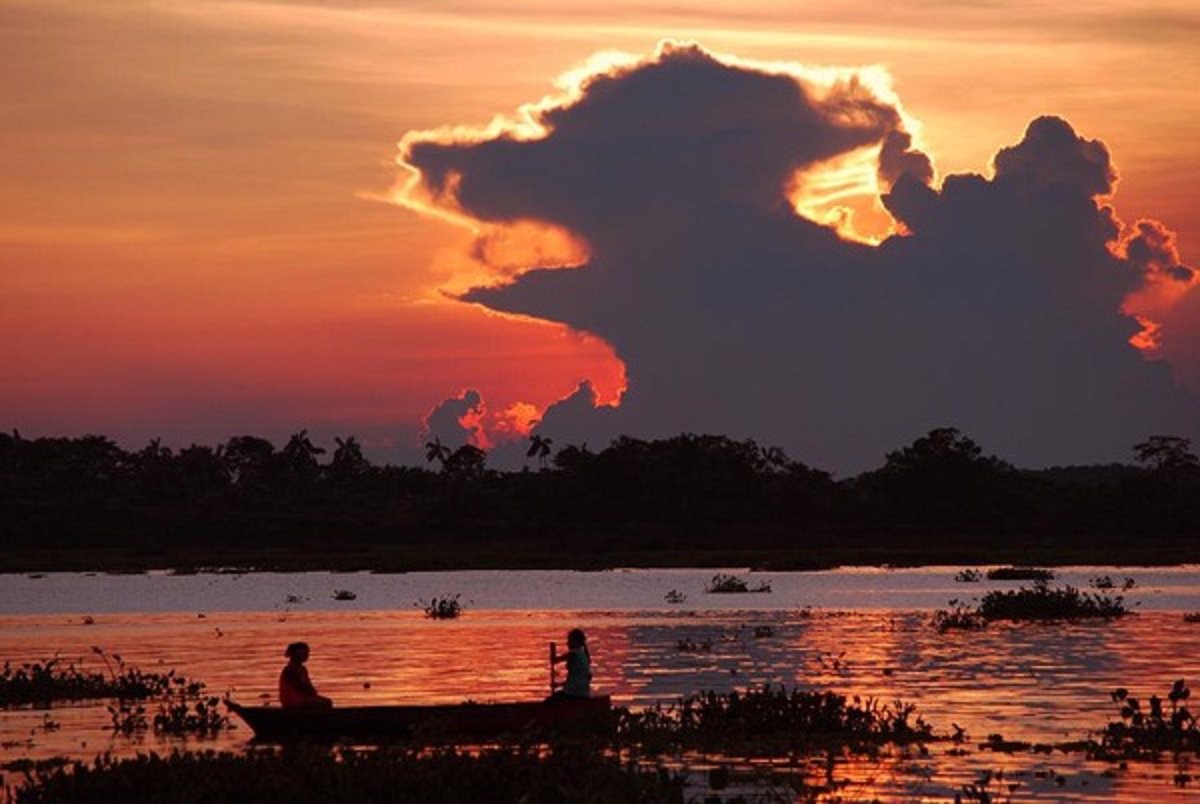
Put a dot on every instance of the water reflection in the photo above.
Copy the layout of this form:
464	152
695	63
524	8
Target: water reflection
1038	683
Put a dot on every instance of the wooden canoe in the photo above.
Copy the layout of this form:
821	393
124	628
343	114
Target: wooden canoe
381	723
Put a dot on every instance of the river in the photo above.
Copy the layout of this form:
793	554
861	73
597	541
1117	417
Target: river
862	631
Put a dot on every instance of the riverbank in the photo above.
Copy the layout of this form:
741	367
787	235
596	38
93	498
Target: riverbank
561	554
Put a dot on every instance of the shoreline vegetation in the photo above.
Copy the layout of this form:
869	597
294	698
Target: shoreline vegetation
86	504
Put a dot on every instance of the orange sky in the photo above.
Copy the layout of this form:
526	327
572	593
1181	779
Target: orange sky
193	242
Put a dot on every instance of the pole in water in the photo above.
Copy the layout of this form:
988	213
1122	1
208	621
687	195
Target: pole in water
553	656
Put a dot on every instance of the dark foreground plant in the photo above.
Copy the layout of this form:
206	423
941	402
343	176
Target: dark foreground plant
773	717
312	775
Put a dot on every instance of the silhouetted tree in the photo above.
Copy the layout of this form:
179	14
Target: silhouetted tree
435	450
348	461
467	462
539	446
249	460
1163	453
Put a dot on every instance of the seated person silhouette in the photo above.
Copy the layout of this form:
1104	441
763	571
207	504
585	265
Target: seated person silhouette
296	690
579	668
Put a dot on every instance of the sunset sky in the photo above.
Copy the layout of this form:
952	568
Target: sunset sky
206	230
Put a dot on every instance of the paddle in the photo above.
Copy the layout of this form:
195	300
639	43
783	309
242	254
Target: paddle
553	658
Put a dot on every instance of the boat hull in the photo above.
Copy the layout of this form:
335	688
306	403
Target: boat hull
467	720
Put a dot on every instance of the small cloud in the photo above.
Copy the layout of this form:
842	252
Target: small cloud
457	421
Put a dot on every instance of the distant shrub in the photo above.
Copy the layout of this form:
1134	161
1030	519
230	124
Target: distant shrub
1019	574
968	576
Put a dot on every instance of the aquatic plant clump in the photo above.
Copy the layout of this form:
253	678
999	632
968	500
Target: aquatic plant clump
1153	728
774	717
442	608
182	705
311	775
1020	574
968	576
960	617
1042	602
55	681
725	584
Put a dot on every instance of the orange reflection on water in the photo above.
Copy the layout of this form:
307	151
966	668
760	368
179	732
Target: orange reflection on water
1038	683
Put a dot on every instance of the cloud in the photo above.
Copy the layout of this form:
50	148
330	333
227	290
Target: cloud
998	309
457	421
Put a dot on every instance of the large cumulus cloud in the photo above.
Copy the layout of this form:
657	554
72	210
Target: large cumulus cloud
998	308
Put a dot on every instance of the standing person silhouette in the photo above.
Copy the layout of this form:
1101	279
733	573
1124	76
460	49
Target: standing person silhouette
296	690
579	668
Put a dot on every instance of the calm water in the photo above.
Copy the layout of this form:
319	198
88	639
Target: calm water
857	632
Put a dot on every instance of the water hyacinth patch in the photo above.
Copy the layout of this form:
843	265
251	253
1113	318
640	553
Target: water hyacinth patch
442	608
1153	728
310	775
1019	574
774	717
725	584
1042	602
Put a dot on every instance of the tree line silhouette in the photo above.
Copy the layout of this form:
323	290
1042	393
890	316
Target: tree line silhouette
682	499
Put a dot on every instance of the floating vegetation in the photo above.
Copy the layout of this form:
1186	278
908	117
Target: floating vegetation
960	617
344	594
1192	617
442	608
1039	603
724	584
1019	574
773	718
675	596
989	788
686	645
968	576
183	707
314	776
41	684
1147	731
292	599
1106	583
1042	602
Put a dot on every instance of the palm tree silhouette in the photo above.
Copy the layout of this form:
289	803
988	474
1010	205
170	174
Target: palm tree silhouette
435	450
540	447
